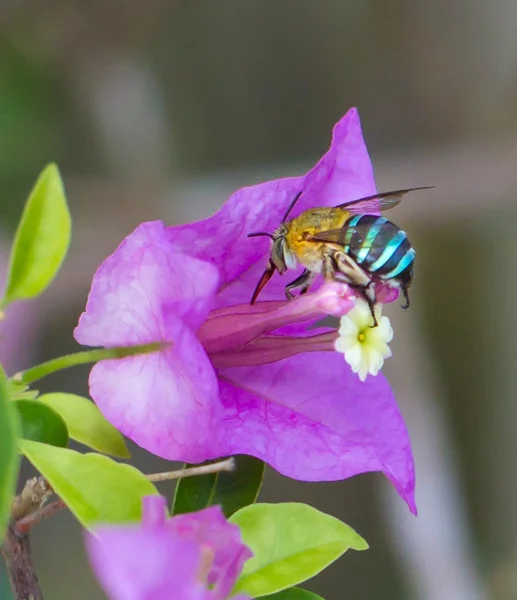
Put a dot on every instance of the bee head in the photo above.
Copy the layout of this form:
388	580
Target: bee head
278	254
281	256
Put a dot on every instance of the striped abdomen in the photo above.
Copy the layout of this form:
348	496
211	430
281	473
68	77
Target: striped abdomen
380	248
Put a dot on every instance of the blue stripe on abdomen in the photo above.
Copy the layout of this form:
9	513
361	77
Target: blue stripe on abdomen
366	246
403	264
351	223
392	246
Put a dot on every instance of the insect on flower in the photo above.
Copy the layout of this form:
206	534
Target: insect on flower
344	243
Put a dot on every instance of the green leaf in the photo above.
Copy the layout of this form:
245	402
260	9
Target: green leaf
291	543
9	458
41	423
95	488
292	594
86	424
232	490
41	240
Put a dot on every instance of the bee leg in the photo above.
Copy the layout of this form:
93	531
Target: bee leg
303	282
359	280
328	268
363	291
406	297
351	270
371	305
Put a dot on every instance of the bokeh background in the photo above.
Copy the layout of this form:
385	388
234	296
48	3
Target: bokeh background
160	109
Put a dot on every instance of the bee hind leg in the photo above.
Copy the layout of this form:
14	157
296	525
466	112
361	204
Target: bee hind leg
358	280
363	291
405	292
371	306
303	282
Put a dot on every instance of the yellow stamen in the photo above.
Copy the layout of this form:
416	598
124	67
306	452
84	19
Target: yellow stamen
361	337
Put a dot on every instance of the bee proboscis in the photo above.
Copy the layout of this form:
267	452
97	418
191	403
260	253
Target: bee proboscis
345	243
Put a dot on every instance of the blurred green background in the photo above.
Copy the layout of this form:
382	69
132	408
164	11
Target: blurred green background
161	109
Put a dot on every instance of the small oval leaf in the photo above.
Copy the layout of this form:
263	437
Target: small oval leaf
95	488
41	240
231	489
86	423
9	457
291	543
292	594
41	424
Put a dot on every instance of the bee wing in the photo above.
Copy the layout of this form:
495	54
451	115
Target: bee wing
340	236
378	202
333	236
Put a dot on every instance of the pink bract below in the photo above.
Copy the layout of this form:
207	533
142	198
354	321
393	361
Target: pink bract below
241	379
197	556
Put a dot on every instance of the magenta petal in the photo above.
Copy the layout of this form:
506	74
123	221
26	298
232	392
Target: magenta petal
154	511
312	419
147	292
343	173
196	556
241	324
166	402
139	564
240	289
139	285
210	527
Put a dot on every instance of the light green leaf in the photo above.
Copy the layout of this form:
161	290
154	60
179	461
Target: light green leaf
41	424
95	488
231	489
41	240
86	424
9	458
292	594
291	543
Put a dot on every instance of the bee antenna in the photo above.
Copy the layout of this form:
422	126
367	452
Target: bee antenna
261	233
291	206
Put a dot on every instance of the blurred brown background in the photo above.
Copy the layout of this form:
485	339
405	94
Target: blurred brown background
161	109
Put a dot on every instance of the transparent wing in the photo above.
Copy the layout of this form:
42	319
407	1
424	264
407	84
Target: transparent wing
378	202
341	236
333	236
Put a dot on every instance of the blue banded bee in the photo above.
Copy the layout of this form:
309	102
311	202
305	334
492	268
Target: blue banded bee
345	243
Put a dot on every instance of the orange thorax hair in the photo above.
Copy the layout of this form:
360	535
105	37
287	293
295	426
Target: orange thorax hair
314	220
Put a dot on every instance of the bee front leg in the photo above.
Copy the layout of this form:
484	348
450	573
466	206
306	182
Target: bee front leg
303	282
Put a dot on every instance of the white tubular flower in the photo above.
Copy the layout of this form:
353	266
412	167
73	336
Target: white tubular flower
364	347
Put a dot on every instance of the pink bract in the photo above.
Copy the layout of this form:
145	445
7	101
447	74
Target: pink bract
193	557
241	379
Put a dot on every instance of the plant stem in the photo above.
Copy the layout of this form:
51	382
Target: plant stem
17	554
25	525
81	358
218	467
35	492
26	519
16	547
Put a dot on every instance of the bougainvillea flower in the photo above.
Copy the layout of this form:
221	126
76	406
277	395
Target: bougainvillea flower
197	556
262	380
